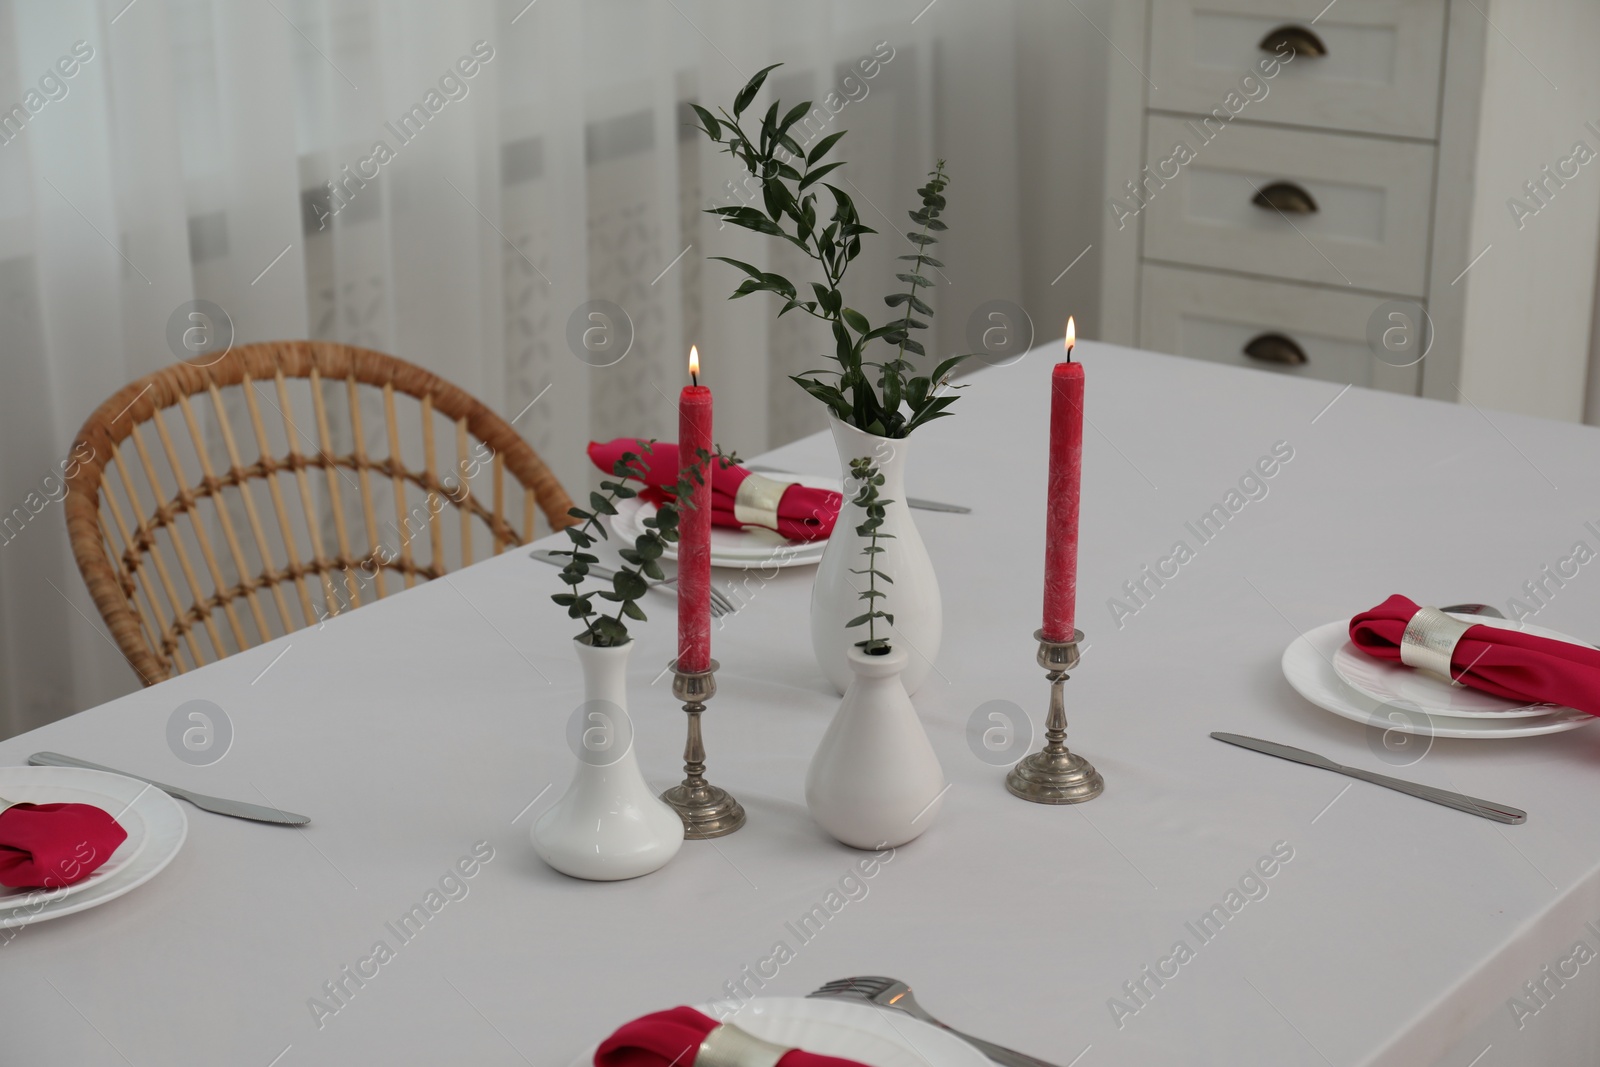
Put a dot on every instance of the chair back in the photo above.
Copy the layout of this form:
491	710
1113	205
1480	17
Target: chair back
212	508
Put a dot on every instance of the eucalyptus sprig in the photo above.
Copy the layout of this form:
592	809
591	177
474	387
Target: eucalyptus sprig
788	176
632	581
868	500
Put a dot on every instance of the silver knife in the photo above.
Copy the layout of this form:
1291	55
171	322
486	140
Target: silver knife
1485	809
218	805
911	501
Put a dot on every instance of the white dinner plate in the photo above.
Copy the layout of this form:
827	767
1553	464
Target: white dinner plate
871	1036
1392	682
156	829
1308	665
744	548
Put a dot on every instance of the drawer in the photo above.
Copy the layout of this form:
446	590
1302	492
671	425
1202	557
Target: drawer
1214	316
1370	201
1379	72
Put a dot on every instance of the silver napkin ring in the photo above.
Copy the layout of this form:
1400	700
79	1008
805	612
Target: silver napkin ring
729	1046
1430	640
756	502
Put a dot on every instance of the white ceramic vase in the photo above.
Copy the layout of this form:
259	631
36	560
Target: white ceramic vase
913	597
609	824
875	781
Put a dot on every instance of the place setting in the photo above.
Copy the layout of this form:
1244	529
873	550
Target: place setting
1461	671
75	835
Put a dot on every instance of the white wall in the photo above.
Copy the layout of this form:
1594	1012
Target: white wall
1542	84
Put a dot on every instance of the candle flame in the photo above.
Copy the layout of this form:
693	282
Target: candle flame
694	362
1072	335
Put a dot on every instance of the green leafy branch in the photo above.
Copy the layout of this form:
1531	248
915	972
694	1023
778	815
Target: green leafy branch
630	582
868	500
789	178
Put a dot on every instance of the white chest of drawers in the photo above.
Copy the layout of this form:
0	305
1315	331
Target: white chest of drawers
1304	187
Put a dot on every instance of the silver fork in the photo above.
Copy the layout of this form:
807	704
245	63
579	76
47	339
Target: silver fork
894	995
720	605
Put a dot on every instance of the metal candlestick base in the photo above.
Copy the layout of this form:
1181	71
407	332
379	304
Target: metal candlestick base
706	810
1055	775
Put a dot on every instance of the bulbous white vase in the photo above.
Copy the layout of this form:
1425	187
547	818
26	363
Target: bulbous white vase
913	592
609	824
875	781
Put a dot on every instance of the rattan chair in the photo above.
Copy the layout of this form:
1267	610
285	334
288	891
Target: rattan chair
192	551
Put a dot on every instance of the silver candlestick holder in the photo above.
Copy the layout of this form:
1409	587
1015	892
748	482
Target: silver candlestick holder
706	810
1056	775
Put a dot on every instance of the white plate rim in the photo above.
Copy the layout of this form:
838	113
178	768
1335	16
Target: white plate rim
168	829
950	1051
1307	666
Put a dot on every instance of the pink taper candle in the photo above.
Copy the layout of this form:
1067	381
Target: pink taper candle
694	526
1066	471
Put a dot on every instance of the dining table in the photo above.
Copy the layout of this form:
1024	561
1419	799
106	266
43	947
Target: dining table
425	732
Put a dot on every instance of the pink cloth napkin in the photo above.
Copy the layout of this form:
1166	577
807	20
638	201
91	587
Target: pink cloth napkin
54	845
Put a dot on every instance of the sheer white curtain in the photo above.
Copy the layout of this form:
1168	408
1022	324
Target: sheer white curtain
533	157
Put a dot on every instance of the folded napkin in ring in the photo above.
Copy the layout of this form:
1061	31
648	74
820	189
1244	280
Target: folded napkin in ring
48	846
1508	663
739	498
665	1039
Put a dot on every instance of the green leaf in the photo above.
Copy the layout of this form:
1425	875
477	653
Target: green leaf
779	284
915	279
857	321
813	176
820	149
607	631
633	611
921	239
602	504
860	620
713	128
747	268
751	88
944	368
825	393
794	116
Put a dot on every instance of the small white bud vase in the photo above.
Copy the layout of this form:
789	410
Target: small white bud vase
609	824
913	598
875	781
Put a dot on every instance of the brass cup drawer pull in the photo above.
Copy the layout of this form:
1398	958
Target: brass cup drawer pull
1300	40
1286	197
1276	348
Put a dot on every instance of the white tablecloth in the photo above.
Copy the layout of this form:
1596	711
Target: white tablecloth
1396	933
